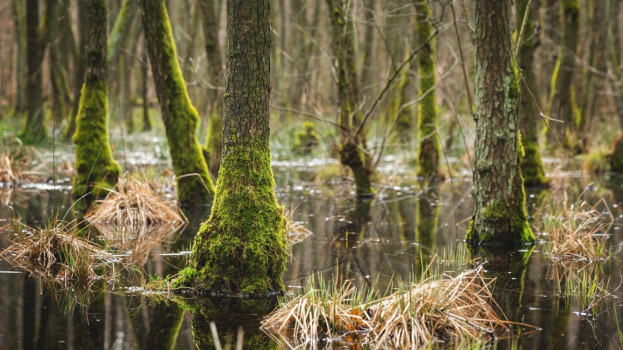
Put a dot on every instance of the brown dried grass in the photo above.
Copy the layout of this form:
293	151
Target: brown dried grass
7	175
134	205
577	232
57	253
438	309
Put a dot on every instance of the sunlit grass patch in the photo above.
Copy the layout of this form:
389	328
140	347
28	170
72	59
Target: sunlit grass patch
577	232
58	252
438	308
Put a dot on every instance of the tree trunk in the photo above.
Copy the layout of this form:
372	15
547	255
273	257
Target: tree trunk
95	167
500	217
20	37
79	69
353	149
429	154
531	165
180	117
551	45
214	138
57	14
562	99
34	130
144	88
121	29
242	247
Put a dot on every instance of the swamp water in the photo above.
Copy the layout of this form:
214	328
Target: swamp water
367	242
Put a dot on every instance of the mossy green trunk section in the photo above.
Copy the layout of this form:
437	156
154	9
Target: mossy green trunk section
95	167
242	247
562	104
429	153
353	148
194	184
531	165
500	217
34	130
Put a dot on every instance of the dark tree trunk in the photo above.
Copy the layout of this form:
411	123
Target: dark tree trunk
95	167
19	15
562	98
429	153
34	130
531	165
194	184
242	247
500	217
353	148
57	15
214	139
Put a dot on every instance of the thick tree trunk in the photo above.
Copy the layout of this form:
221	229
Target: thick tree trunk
500	217
429	153
194	184
57	15
214	138
562	99
34	130
531	165
242	247
95	167
353	149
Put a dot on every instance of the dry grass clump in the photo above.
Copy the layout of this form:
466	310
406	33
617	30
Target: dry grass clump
7	175
295	232
57	253
134	205
438	309
577	232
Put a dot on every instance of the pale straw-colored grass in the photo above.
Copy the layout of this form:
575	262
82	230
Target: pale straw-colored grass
133	204
57	252
295	232
438	309
577	232
7	175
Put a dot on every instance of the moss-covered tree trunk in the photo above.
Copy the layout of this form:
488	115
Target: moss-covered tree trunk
242	247
353	148
194	184
500	217
34	130
531	165
562	104
429	153
95	167
214	138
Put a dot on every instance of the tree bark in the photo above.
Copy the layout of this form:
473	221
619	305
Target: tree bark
429	153
353	148
20	37
242	247
79	69
95	167
34	130
194	184
562	99
531	165
500	217
57	14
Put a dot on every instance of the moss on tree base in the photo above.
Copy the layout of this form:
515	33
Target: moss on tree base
502	226
242	248
95	167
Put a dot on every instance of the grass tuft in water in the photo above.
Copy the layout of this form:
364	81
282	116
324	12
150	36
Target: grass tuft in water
438	308
58	252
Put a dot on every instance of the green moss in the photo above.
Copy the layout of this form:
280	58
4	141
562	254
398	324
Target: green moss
242	247
531	166
305	140
95	167
518	230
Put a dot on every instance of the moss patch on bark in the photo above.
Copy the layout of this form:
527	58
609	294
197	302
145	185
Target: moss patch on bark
95	167
242	248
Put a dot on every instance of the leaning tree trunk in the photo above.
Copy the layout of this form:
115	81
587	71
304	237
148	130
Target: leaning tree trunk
194	184
531	165
562	99
95	167
353	149
429	154
242	247
500	217
34	130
